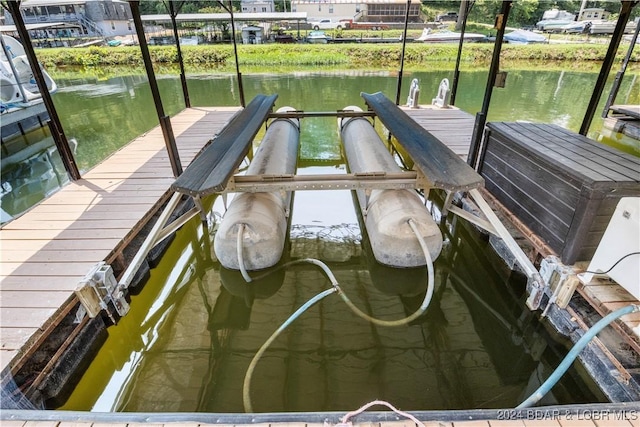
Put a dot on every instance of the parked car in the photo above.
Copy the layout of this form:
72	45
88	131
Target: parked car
326	24
447	16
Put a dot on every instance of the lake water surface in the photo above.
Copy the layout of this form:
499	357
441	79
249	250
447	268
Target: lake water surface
101	115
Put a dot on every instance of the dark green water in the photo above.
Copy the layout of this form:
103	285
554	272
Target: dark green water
195	327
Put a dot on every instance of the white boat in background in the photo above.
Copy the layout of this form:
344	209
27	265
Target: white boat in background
448	37
317	37
600	26
524	37
555	20
21	105
17	84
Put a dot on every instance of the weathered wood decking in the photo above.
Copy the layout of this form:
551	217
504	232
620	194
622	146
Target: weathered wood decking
450	125
45	252
624	119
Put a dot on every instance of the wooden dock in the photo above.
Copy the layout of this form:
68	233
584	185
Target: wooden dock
48	250
597	415
450	125
624	119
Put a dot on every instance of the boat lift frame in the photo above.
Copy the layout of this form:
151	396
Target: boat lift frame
414	179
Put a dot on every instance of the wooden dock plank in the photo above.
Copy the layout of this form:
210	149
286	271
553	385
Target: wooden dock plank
37	283
14	338
506	423
631	110
439	164
541	423
576	423
26	256
35	245
63	234
41	424
85	224
452	126
48	250
480	423
33	299
45	269
13	317
609	422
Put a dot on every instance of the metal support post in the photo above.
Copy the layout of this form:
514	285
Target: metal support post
55	125
535	284
404	44
466	8
235	50
481	117
620	74
164	120
625	13
183	77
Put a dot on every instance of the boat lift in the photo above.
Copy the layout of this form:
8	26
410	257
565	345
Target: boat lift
436	167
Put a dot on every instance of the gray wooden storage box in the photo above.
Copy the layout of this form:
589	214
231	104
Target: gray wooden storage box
562	185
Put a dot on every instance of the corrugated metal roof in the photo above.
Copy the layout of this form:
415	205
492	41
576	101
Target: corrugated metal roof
11	28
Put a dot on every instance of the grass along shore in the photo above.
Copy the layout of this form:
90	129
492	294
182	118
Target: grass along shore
354	55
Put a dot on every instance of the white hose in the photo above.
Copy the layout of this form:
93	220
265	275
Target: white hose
427	297
246	390
243	270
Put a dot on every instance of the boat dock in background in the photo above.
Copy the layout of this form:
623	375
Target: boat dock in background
624	119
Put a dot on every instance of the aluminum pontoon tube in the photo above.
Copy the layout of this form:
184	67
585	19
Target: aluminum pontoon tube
263	214
386	217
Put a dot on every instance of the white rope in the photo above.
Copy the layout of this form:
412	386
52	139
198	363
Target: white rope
345	419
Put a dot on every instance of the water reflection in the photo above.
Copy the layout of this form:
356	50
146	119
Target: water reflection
31	170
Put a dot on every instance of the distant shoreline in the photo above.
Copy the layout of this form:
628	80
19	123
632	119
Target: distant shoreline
347	55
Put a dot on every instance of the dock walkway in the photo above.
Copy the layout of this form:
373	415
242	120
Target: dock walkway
47	251
483	423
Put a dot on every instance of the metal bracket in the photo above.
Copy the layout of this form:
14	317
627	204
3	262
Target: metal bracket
100	287
423	183
446	206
